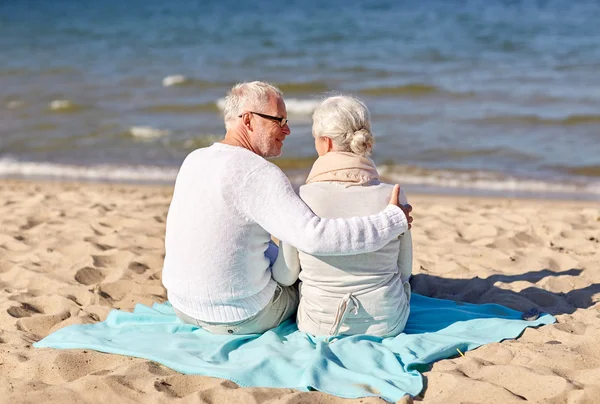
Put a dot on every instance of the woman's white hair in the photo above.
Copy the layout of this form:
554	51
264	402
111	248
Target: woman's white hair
347	122
252	95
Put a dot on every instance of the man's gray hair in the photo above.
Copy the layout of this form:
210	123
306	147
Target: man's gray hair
346	121
247	96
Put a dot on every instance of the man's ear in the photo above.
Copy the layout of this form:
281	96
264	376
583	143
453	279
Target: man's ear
246	120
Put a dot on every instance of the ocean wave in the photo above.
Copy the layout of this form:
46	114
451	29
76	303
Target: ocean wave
301	107
294	106
486	181
588	171
50	71
179	80
14	72
118	173
294	163
147	132
14	104
198	142
182	108
64	106
570	120
296	169
453	154
410	90
174	80
310	87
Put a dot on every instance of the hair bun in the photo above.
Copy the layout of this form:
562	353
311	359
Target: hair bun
362	142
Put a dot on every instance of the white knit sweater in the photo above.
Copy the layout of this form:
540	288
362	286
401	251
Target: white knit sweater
226	205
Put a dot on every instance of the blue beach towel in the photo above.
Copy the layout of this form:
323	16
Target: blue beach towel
350	367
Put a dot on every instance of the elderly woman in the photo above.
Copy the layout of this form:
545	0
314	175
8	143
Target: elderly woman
364	293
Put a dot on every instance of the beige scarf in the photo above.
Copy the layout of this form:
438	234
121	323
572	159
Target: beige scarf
343	167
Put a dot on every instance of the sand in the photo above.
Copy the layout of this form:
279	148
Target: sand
69	253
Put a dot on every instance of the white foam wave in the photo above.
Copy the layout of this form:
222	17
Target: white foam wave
202	141
486	181
57	105
480	181
220	103
174	80
301	107
15	104
147	132
118	173
294	106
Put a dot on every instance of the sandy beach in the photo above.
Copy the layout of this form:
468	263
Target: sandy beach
69	253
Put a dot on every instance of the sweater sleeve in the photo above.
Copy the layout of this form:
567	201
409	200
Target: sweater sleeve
287	265
405	255
266	196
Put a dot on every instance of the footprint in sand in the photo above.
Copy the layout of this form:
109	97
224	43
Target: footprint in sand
89	276
100	246
103	208
576	328
103	247
31	223
102	372
120	381
164	387
41	325
138	267
103	261
101	228
25	310
15	244
158	370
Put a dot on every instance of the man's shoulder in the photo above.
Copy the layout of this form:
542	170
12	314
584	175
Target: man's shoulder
233	161
227	154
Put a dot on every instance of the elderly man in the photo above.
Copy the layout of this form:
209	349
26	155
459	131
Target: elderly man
228	201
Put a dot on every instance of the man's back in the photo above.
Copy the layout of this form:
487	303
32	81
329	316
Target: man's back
210	245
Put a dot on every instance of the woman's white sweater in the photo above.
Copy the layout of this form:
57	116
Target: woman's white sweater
378	280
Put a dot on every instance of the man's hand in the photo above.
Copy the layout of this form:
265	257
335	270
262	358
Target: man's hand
394	200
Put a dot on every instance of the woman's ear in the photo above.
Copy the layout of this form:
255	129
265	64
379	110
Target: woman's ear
323	145
329	145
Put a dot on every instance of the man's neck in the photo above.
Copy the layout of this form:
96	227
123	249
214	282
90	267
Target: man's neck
234	138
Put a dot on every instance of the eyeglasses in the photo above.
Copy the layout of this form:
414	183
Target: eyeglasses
282	121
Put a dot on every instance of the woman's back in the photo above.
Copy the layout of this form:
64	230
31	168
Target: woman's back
353	293
370	289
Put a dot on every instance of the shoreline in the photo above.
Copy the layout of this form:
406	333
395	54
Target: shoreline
413	191
72	252
415	179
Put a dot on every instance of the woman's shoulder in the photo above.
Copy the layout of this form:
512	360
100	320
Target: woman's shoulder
325	190
375	186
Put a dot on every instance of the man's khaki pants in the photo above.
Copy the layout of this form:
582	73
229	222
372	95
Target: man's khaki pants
280	308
